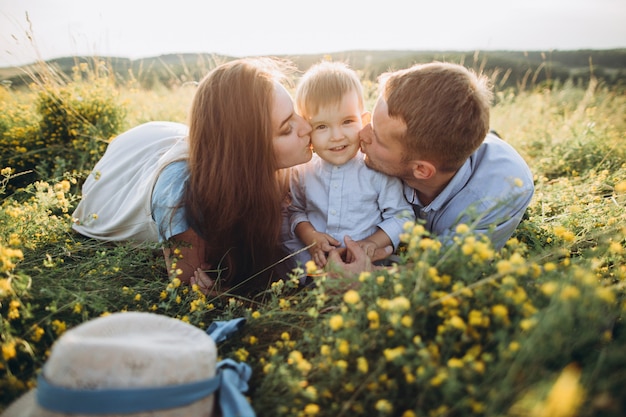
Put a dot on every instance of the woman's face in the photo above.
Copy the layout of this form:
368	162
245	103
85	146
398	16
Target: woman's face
292	134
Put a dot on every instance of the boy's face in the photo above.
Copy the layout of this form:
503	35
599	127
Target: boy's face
335	135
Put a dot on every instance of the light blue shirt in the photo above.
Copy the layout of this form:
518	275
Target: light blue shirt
167	195
349	199
486	190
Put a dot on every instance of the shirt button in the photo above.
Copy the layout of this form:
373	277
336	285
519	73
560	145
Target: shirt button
333	212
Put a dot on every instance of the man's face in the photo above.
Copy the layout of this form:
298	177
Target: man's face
383	151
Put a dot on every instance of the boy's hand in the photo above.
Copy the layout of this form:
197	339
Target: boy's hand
324	243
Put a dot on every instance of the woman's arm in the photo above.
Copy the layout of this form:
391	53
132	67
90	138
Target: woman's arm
186	250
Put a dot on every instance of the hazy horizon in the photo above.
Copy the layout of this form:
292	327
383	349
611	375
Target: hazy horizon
116	28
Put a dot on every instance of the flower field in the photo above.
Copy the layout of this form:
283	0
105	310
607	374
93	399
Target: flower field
536	329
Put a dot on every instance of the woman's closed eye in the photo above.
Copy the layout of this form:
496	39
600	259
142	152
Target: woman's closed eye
288	129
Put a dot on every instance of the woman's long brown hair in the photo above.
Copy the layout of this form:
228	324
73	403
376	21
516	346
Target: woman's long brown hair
233	200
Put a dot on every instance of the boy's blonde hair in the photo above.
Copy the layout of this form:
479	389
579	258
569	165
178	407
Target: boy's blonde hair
324	84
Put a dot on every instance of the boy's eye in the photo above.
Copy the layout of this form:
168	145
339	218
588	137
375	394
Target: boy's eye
320	127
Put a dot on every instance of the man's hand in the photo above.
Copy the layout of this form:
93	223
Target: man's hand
353	258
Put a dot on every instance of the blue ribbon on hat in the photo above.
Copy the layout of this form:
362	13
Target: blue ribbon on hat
231	380
222	330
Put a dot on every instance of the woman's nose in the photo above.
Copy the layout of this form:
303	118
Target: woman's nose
304	128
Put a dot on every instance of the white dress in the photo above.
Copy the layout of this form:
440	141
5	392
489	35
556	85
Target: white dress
116	197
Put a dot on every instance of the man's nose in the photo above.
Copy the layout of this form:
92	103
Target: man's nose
365	135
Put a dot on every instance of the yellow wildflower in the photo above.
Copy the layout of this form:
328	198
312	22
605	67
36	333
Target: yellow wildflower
311	409
336	322
241	354
393	353
455	363
462	228
566	395
341	364
38	332
549	288
569	292
439	378
549	266
616	248
311	267
374	319
8	350
501	312
351	297
5	286
344	347
406	321
457	322
400	303
59	327
383	406
362	365
606	294
78	308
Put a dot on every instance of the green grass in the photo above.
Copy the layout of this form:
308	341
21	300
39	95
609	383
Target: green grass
460	331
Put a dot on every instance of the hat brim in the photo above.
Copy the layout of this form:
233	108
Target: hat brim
25	406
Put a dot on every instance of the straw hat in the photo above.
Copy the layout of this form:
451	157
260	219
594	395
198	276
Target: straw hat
127	351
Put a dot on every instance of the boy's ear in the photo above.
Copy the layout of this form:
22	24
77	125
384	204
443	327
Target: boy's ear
366	117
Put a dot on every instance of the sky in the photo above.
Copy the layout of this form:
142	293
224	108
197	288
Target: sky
142	28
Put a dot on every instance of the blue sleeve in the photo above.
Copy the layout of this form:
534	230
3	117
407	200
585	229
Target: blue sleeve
166	196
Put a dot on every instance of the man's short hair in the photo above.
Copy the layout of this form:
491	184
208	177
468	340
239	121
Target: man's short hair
445	108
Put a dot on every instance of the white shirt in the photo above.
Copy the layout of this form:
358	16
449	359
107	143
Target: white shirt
349	199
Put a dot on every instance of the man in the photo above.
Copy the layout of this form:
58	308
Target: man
430	128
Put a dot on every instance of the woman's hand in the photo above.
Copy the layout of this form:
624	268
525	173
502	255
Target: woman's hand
205	283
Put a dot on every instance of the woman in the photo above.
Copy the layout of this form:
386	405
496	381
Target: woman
212	196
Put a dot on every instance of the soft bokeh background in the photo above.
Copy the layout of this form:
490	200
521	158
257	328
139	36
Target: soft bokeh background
135	29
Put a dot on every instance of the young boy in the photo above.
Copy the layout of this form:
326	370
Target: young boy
335	194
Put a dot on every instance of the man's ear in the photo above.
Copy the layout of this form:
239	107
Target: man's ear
366	117
423	170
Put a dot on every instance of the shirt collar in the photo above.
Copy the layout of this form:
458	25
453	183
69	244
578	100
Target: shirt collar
327	166
455	185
